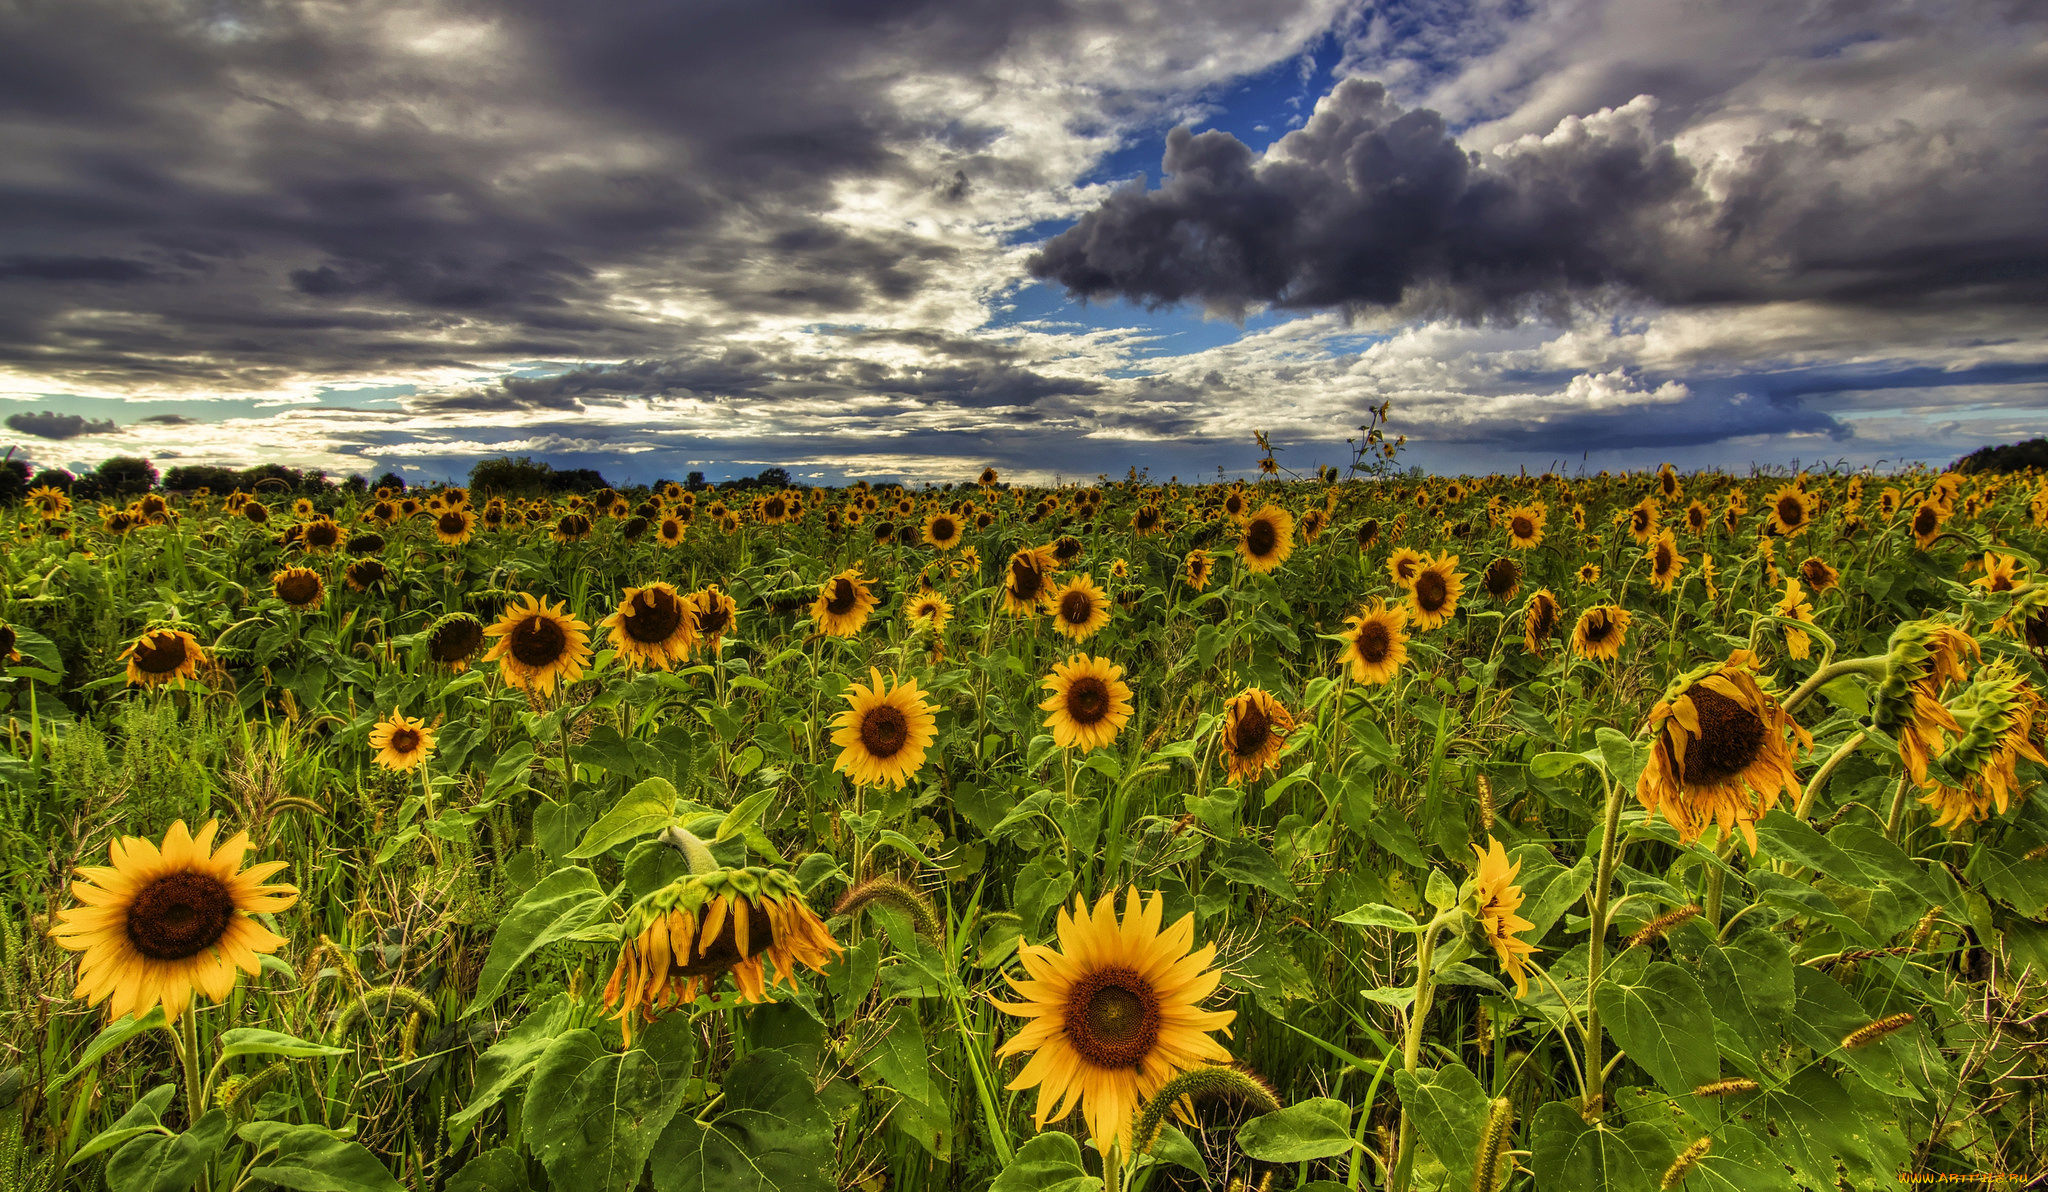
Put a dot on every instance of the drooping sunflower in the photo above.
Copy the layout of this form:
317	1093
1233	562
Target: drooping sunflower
1921	659
163	656
1375	642
942	530
2002	573
1403	564
454	639
364	574
1539	621
1793	604
1525	526
1502	579
453	527
1266	539
1148	520
320	535
1499	899
1928	519
1197	569
1367	535
1114	1013
300	588
1818	575
1998	718
1720	751
682	938
401	744
1792	510
843	605
1433	595
1666	563
1089	702
1600	631
1079	608
884	732
1255	728
571	527
717	615
1027	580
653	626
161	922
539	644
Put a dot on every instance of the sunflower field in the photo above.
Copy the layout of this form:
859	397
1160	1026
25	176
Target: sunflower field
1338	830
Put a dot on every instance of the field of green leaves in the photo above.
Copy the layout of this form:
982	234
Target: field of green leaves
1353	829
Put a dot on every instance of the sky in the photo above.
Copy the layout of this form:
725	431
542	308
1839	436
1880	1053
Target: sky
907	239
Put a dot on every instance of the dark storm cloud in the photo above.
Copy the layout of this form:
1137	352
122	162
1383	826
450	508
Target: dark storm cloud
57	426
1371	205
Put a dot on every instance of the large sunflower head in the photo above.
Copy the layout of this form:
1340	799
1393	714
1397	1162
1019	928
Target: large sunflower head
1197	569
843	604
682	938
1028	580
1998	718
1375	642
539	644
163	656
1088	704
1403	564
884	732
321	535
1600	631
1079	608
299	587
401	744
717	614
1255	728
1525	526
1502	579
1115	1013
1433	593
1791	509
1665	561
1498	899
653	626
1266	539
50	501
453	527
1720	751
454	639
163	921
1539	621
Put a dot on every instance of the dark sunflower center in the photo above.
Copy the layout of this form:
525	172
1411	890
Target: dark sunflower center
1731	737
452	523
161	654
1147	518
724	951
1503	576
573	525
300	587
1260	537
1598	626
1542	617
1254	728
1373	642
775	507
256	513
884	730
2037	631
1431	592
7	640
651	616
404	740
179	915
539	641
671	529
1664	560
1369	532
322	534
713	617
1113	1018
456	640
1924	521
944	529
1522	527
1025	581
843	598
1407	570
1790	511
1076	608
1087	700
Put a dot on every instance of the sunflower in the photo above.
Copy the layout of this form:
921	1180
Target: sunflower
1665	562
1255	727
1793	604
682	938
1525	526
1707	577
300	588
1643	521
364	574
1697	519
942	530
539	643
1234	505
1791	510
454	639
1114	1013
400	743
453	527
1402	565
1266	539
1375	642
1499	899
256	513
320	535
1367	534
1997	717
717	614
1147	520
163	656
1719	751
1197	568
571	527
1089	702
773	510
1079	608
1502	579
1920	660
929	611
2002	573
1539	621
843	604
884	732
653	626
1025	582
163	921
1433	595
1818	575
1667	483
50	501
988	478
1600	631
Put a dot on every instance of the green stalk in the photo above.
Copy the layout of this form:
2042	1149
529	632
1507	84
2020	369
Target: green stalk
1603	880
1411	1044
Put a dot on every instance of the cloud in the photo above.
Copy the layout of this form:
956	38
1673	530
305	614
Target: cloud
57	426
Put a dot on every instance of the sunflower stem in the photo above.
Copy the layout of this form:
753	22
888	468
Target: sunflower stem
1897	816
691	846
1819	781
1411	1045
1872	667
1603	879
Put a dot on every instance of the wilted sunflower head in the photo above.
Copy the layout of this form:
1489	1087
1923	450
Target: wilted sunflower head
1368	533
1719	751
454	639
364	574
256	513
1027	580
1998	718
1818	575
163	656
1255	728
1539	621
1600	631
300	587
1923	658
1502	579
571	527
716	615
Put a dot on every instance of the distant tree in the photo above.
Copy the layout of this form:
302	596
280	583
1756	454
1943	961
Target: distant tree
527	475
577	480
187	478
355	485
2011	457
392	481
271	478
124	476
773	478
694	480
56	478
13	480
